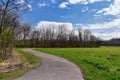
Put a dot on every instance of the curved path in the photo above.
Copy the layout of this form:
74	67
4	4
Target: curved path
52	68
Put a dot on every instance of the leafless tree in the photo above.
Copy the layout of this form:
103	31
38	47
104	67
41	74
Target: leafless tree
73	39
59	36
62	36
80	35
86	35
26	28
8	22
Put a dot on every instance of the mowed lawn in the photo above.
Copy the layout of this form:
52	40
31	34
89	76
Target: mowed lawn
96	63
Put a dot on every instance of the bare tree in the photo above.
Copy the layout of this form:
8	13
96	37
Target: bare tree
86	35
59	36
73	39
8	22
26	28
62	36
80	35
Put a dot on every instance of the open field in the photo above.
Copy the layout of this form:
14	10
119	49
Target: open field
96	63
26	58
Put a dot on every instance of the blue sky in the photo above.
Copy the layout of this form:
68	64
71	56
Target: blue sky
102	17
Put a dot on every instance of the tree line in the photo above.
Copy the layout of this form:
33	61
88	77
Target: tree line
112	42
52	37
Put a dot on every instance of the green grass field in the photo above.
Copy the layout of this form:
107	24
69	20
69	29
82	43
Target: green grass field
96	63
32	60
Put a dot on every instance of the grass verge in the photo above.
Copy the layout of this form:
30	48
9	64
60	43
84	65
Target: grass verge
96	63
26	58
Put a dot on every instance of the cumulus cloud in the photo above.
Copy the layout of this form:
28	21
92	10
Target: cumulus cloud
105	25
100	27
63	5
30	7
97	29
107	36
48	24
83	2
78	1
42	5
45	3
113	9
84	9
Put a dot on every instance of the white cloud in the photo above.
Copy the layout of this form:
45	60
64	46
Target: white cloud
107	36
84	9
63	5
83	2
48	24
113	9
53	1
100	27
78	1
23	2
30	7
105	25
93	1
42	5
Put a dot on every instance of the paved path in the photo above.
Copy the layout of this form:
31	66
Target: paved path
52	68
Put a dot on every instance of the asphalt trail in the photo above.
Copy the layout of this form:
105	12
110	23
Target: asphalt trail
52	68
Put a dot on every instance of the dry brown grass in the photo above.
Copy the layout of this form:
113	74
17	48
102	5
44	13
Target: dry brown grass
11	64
